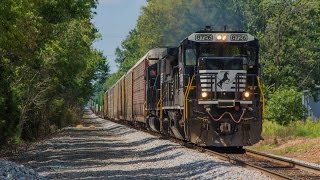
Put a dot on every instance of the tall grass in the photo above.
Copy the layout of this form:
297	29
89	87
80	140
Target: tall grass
297	128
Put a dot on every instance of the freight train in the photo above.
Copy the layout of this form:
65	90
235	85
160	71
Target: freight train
206	91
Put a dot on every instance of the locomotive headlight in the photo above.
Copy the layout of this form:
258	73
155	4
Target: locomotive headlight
246	94
222	37
204	94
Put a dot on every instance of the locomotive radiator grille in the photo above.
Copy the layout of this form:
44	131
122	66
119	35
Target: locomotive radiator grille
222	80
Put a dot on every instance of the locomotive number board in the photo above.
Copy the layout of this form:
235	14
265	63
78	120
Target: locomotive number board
204	37
221	37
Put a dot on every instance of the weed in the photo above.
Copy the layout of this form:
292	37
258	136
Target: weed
293	149
306	128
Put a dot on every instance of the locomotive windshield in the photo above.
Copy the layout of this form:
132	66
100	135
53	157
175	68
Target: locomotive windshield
221	63
221	50
215	56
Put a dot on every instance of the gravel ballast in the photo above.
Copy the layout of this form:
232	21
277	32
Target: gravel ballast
11	170
106	150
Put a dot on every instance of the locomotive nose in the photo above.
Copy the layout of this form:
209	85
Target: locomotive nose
224	88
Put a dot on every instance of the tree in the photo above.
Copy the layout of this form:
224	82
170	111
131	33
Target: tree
166	23
288	32
47	65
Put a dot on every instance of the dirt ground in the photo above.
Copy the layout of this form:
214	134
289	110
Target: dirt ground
306	149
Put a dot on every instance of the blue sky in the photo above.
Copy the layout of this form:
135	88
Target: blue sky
114	20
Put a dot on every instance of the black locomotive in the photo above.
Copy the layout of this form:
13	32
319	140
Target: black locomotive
206	90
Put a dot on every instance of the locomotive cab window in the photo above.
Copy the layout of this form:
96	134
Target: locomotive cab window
252	55
222	56
221	63
221	50
190	57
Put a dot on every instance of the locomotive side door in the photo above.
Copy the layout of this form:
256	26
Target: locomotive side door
189	61
187	64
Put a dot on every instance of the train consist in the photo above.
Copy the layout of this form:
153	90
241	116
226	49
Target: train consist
205	91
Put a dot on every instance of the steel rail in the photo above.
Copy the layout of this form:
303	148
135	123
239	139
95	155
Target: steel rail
238	162
283	161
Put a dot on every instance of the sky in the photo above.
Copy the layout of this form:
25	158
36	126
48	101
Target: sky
114	20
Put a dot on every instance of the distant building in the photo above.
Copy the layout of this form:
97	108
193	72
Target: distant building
313	108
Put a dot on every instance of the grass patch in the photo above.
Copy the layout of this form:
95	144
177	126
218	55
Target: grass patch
297	129
302	148
298	140
262	147
307	129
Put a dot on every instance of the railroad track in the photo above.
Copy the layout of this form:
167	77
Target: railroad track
289	165
276	167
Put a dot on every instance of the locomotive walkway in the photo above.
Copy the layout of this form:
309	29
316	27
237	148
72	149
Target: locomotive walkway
100	149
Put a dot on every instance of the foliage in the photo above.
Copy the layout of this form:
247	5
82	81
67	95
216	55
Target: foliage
166	23
47	65
307	128
288	32
284	105
290	43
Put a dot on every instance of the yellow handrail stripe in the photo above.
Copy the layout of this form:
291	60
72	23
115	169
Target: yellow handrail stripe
260	87
186	97
160	107
188	93
185	93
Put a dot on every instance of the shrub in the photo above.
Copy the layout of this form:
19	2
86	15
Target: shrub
285	105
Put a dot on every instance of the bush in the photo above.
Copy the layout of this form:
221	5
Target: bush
285	105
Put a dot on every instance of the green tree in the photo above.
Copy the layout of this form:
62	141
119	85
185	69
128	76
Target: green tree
166	23
289	41
47	65
288	32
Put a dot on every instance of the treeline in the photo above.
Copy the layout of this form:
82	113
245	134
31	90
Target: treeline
288	32
47	65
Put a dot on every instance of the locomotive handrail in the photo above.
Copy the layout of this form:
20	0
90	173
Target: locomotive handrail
185	93
262	95
160	103
225	113
185	112
145	112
